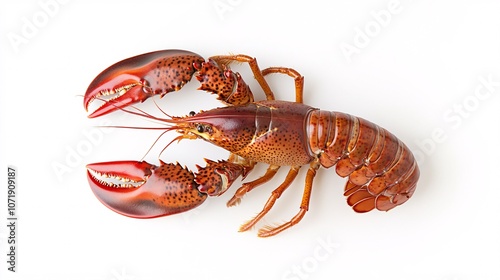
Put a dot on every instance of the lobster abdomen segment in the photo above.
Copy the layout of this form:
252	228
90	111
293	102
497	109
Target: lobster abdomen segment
382	170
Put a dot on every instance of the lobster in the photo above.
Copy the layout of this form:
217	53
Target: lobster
382	172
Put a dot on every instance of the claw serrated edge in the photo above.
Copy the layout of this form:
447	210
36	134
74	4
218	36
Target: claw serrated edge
127	183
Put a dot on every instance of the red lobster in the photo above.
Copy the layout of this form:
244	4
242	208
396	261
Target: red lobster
382	172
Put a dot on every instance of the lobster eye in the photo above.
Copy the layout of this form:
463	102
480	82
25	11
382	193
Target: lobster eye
192	113
200	128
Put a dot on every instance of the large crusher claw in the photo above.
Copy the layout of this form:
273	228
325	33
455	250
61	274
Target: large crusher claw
137	78
142	190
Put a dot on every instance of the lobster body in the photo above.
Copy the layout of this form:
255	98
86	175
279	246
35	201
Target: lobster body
267	131
382	172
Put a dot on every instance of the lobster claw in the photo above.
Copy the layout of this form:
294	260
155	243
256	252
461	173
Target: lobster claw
216	177
229	86
142	190
137	78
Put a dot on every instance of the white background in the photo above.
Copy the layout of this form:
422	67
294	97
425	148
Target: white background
416	69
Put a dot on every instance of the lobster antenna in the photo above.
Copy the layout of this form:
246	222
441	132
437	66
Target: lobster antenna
144	114
178	138
154	143
139	112
161	110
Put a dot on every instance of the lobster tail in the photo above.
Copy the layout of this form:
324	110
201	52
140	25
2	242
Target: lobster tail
382	172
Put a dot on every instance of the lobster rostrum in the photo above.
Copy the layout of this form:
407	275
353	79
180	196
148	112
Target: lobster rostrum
382	172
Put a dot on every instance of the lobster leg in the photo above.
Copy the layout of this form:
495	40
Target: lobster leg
290	177
252	62
299	79
259	74
246	187
304	205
